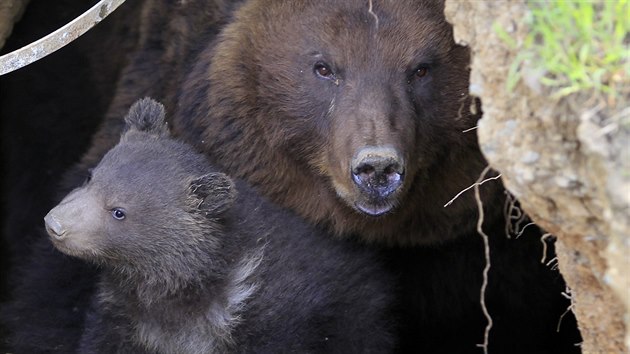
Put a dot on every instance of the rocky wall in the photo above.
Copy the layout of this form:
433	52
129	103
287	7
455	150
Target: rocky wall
568	162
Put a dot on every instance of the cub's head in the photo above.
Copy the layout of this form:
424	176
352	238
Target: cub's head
149	198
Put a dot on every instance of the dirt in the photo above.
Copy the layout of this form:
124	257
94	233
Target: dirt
566	160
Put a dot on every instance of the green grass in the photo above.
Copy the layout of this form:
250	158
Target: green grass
577	46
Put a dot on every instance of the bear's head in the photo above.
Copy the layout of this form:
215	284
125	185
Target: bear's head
150	201
353	113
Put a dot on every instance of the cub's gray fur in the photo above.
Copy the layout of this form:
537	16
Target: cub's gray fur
195	263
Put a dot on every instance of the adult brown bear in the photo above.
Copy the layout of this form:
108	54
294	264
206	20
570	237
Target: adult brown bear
351	113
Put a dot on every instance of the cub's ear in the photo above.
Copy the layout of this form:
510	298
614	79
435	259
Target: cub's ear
215	193
147	115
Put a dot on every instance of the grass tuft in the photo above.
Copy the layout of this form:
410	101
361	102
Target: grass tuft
574	46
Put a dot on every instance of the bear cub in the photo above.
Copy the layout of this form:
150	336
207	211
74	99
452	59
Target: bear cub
194	262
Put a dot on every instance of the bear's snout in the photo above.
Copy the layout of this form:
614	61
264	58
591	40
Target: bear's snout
378	173
54	227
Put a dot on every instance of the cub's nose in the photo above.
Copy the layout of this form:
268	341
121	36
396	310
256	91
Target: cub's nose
378	171
54	227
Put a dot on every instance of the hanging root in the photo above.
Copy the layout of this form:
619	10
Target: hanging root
520	233
553	263
514	217
543	239
508	210
486	244
474	185
567	294
511	212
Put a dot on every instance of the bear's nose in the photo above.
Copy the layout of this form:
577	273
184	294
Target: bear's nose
378	171
53	227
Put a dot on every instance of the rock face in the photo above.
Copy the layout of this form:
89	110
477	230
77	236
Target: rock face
10	12
566	160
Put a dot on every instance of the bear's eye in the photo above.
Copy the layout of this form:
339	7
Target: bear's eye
323	70
421	72
118	213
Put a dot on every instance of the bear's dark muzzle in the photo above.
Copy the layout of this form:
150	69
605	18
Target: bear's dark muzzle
378	172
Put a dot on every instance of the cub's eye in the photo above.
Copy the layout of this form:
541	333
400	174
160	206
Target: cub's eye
323	70
421	72
88	176
118	213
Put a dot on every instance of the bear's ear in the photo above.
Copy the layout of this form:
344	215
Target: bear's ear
215	193
147	115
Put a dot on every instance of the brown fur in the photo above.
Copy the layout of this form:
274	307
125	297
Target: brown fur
254	96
